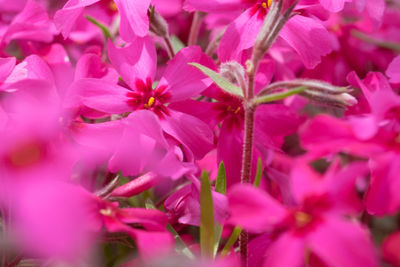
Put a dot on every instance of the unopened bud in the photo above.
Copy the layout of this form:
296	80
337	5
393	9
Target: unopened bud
232	71
158	25
337	100
313	85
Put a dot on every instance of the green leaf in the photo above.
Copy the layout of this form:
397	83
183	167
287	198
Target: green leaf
206	218
106	32
231	241
176	43
219	80
220	184
257	180
278	96
220	187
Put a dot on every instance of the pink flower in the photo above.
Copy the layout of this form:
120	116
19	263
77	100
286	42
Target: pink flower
305	35
373	135
315	226
32	23
393	70
136	65
153	239
134	19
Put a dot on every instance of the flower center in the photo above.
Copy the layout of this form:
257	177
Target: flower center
109	6
266	4
229	109
260	8
144	97
302	219
106	212
25	155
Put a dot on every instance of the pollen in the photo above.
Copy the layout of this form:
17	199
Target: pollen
302	219
25	155
237	110
105	212
150	102
112	6
269	3
264	5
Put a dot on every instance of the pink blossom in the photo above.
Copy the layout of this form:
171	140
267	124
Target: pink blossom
135	63
302	33
32	23
154	238
315	224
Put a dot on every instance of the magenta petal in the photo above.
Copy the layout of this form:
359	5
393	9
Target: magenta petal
49	218
199	109
191	132
341	243
97	136
134	19
150	219
136	60
6	67
253	209
141	147
333	5
137	185
185	81
327	134
308	38
214	6
66	17
239	35
383	195
291	246
393	71
257	248
91	66
273	123
102	96
152	244
32	23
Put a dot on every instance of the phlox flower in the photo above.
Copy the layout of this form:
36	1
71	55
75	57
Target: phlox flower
151	238
136	65
373	135
315	229
32	23
306	35
272	123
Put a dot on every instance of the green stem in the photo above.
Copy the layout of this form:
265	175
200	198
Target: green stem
383	44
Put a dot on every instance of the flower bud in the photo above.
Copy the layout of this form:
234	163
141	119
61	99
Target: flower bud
232	71
158	25
337	100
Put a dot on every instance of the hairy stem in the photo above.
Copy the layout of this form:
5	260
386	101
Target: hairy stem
170	49
195	28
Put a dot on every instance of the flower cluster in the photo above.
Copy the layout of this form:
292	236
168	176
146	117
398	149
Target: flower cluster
199	133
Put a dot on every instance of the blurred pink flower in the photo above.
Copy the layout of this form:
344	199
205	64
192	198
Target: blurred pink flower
315	226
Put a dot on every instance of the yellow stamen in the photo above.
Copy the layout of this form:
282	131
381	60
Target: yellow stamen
112	6
302	219
26	155
105	212
264	5
269	3
151	101
237	110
